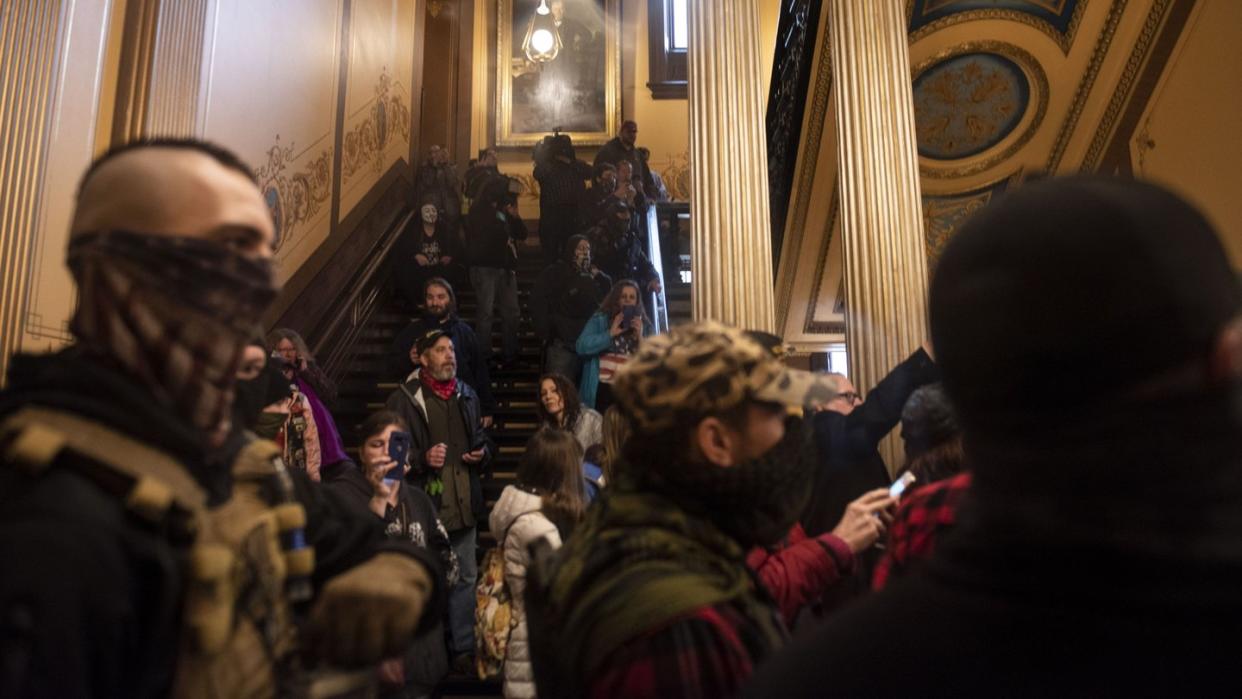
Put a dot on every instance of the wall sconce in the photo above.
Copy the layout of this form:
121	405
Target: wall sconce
542	43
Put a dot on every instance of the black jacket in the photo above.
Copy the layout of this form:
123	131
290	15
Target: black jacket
471	363
850	464
620	253
90	597
408	404
563	299
492	237
439	185
412	242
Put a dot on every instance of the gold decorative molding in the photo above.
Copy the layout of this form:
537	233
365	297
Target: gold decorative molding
1038	81
1125	83
293	199
1084	86
944	213
365	143
176	65
823	327
812	134
676	176
29	37
1063	41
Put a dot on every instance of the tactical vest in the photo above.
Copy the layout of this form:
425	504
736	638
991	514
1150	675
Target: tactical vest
247	564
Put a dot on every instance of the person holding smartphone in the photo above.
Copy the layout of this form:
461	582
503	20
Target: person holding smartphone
408	515
608	340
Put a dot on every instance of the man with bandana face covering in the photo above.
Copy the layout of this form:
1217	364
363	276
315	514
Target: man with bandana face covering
1090	334
128	490
651	597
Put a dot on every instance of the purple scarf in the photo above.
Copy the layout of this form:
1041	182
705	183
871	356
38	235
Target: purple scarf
331	450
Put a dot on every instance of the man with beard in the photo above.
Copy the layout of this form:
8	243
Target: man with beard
1099	548
448	452
440	313
149	546
651	596
622	148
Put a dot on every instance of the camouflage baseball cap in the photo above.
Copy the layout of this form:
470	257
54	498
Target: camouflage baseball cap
707	367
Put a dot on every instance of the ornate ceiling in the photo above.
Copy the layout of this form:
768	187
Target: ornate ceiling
1003	90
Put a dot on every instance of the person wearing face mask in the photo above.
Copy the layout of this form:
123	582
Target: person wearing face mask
618	250
564	297
607	342
271	406
437	182
134	503
430	250
651	596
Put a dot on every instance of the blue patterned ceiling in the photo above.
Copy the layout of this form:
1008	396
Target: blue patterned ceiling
1058	14
966	104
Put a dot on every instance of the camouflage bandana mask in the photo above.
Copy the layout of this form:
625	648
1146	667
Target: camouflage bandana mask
175	312
756	501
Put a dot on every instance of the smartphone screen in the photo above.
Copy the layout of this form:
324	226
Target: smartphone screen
628	314
398	451
899	486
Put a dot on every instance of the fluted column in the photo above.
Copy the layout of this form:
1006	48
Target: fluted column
731	248
878	172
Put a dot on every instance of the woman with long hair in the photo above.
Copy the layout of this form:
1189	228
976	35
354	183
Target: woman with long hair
545	503
608	340
559	407
408	515
299	367
616	432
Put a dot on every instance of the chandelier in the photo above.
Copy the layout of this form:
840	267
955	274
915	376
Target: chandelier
542	43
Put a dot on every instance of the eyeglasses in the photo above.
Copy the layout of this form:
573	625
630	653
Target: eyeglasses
851	397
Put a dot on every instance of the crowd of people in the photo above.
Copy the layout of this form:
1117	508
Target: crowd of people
1066	519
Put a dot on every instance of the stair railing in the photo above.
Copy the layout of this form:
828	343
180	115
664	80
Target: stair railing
658	301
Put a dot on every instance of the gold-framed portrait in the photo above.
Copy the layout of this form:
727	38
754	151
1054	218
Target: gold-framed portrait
578	91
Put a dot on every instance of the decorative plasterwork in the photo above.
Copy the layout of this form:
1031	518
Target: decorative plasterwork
1084	86
676	176
1125	83
1039	97
1063	39
811	326
813	131
294	198
968	104
366	142
943	214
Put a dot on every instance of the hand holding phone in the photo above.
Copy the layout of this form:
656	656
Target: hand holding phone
399	452
899	486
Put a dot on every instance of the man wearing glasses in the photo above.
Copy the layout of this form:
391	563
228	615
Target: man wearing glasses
848	431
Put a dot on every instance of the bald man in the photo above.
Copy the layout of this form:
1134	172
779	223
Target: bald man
150	545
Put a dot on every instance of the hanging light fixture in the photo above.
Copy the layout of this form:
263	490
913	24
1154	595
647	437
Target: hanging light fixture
542	43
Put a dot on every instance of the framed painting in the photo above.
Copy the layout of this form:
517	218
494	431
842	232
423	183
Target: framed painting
577	91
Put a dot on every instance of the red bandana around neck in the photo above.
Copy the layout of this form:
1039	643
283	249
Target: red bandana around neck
444	389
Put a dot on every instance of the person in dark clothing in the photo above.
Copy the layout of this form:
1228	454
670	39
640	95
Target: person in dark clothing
440	313
566	295
408	515
619	252
437	183
424	252
595	200
622	148
449	453
126	480
493	232
1098	550
483	169
562	188
848	431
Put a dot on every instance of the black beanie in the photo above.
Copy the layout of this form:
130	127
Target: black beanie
1067	292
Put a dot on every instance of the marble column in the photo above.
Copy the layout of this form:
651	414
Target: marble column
881	209
731	246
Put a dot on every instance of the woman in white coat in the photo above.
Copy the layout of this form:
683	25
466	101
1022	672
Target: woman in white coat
546	502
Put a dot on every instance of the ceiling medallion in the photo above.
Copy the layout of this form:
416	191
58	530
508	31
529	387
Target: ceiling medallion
969	99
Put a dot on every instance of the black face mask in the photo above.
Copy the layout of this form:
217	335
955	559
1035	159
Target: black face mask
253	395
757	501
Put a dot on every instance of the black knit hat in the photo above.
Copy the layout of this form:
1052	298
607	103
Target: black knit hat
1069	291
927	420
